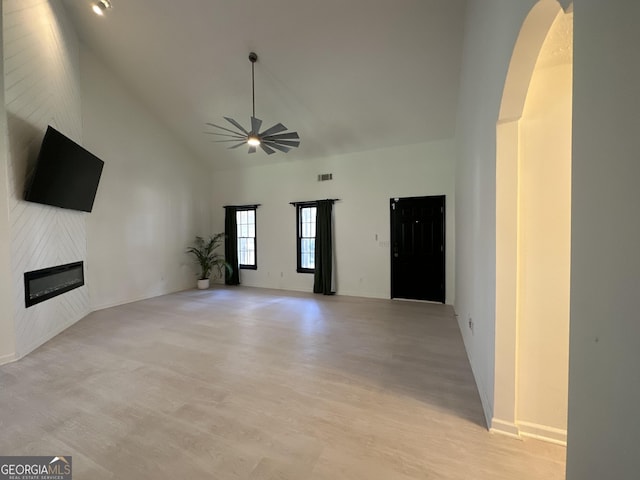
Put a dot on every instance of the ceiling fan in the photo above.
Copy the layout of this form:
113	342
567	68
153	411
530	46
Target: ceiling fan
269	139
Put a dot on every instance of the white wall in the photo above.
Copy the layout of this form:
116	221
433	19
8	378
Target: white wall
491	29
152	200
544	238
41	87
364	183
7	335
604	378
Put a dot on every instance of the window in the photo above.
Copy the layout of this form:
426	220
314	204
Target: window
246	222
306	221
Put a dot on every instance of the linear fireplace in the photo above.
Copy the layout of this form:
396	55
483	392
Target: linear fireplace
41	285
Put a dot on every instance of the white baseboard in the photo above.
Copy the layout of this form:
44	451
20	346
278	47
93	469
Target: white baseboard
502	427
117	303
4	359
529	430
543	432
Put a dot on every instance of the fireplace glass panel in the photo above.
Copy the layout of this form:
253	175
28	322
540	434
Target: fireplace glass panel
41	285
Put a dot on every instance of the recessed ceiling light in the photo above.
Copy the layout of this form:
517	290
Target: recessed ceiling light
101	6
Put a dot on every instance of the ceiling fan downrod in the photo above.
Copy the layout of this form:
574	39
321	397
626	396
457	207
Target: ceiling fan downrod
253	58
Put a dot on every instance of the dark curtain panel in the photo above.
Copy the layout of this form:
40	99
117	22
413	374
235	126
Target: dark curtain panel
231	246
324	248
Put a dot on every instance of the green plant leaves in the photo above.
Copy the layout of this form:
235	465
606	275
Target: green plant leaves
209	261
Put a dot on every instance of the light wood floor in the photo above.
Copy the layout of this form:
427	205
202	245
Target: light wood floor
241	383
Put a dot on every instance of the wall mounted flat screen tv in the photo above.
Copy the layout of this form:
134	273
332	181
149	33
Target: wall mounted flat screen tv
66	175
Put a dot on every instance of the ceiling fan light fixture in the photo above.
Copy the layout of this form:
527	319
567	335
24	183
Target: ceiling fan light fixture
101	6
253	140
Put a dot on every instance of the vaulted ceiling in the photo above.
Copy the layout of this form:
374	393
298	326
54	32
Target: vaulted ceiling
347	75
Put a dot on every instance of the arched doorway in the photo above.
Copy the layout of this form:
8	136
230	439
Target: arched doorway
533	229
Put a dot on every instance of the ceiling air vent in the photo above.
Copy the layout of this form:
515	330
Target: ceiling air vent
323	177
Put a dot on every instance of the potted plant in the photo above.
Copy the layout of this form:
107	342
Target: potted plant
207	258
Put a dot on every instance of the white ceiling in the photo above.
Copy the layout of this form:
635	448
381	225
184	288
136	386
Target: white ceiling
347	75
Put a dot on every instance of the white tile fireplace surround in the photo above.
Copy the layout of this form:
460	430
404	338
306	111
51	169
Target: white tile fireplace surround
41	44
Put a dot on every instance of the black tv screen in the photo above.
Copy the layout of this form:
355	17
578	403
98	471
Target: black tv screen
66	175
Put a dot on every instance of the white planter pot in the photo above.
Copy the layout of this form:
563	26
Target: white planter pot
203	284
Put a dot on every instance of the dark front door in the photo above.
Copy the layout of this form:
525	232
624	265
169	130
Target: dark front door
417	248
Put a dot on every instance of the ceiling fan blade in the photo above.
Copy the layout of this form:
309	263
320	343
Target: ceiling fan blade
230	140
283	136
223	128
275	129
252	149
238	145
237	135
276	146
268	150
233	122
285	142
255	125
